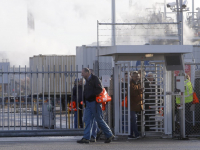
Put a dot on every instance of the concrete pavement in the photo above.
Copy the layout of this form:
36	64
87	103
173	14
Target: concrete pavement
69	143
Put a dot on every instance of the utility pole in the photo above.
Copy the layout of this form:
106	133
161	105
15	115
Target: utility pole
113	23
165	9
192	13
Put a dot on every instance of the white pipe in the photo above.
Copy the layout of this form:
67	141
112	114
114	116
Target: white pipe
179	23
165	9
181	20
192	13
113	23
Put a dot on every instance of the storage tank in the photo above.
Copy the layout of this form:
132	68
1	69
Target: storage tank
46	63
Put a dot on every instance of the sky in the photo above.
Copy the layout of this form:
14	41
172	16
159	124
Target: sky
60	25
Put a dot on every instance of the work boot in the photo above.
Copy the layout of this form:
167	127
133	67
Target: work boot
92	139
108	140
83	141
98	135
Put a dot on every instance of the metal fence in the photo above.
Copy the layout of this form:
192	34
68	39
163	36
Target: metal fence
35	101
192	111
40	102
150	121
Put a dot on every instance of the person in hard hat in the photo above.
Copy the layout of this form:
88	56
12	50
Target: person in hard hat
77	97
136	103
188	103
92	88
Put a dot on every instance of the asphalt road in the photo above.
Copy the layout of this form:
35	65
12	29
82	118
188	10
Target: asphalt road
69	143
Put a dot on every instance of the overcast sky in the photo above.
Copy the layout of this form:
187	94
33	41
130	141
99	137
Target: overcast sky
60	25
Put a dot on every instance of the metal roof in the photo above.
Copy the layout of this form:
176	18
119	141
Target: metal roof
137	52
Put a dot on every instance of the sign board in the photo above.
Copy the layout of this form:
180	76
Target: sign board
187	71
106	80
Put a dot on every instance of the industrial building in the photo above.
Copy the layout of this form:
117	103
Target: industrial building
42	93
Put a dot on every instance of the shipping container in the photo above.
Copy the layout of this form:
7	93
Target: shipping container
52	63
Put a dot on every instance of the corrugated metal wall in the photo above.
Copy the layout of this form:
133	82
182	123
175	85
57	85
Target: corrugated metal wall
49	61
87	55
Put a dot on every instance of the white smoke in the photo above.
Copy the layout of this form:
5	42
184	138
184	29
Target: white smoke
147	12
188	35
60	26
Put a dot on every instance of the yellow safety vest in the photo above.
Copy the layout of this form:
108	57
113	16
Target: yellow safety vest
188	92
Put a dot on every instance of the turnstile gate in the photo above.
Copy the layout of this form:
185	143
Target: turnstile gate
155	119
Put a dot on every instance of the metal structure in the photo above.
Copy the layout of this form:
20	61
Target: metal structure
193	21
86	56
37	113
151	118
192	120
130	52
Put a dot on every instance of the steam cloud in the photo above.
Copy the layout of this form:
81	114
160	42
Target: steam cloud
62	25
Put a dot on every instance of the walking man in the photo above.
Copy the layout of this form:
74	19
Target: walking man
93	110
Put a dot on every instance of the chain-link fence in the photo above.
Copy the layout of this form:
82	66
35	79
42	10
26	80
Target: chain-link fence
192	109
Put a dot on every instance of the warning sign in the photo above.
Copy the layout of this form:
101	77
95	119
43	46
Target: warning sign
106	80
187	71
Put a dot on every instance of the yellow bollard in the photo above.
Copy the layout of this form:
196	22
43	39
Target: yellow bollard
34	108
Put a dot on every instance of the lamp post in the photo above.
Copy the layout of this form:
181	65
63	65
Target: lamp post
179	7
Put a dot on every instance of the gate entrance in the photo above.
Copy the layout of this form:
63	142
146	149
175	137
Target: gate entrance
153	99
157	114
151	120
124	98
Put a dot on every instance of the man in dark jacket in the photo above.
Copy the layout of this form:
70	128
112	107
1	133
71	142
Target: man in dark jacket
136	104
93	110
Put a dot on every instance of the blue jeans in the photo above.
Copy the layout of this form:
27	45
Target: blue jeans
95	129
93	110
134	124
